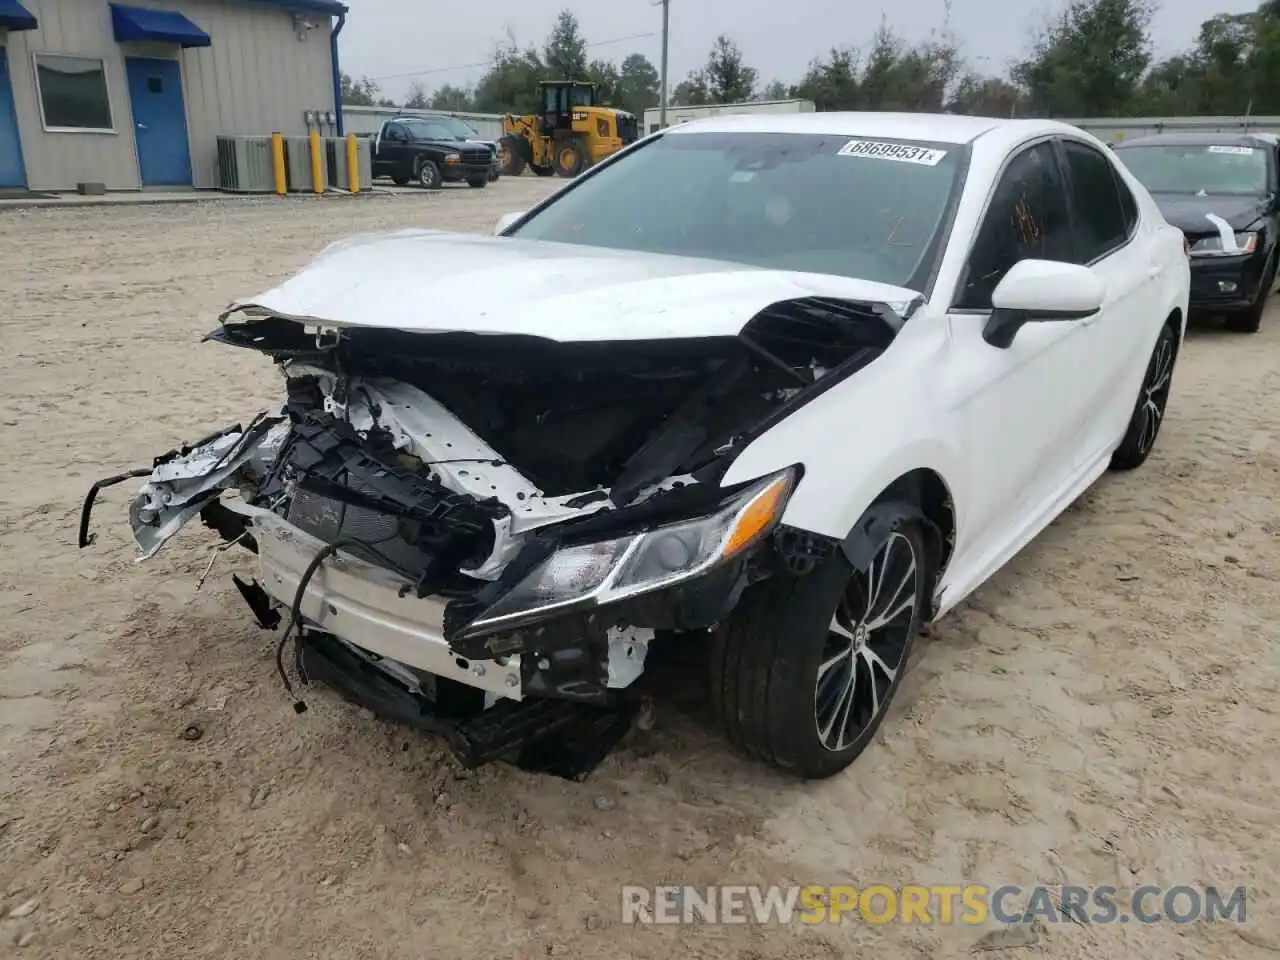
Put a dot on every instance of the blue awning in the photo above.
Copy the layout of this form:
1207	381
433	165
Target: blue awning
15	16
140	24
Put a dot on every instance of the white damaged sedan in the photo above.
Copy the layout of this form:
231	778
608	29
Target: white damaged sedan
788	387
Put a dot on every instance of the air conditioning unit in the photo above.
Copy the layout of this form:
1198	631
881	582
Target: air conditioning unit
297	164
335	149
244	165
335	160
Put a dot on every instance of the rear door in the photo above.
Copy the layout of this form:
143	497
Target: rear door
1130	264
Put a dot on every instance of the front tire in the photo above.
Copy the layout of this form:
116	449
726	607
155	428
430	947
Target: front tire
429	175
511	155
805	670
1148	415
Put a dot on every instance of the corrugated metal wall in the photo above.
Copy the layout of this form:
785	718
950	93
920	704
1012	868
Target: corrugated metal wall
257	77
360	120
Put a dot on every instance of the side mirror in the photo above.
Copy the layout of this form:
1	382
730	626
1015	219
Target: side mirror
506	220
1038	291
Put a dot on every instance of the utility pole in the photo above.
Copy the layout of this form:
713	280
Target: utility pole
666	33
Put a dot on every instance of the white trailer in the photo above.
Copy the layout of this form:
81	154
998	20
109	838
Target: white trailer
685	114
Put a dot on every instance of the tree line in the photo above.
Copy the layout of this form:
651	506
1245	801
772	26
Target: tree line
1094	59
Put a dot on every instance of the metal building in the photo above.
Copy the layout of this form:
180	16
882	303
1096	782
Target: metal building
134	95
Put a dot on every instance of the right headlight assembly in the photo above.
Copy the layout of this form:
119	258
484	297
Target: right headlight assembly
606	571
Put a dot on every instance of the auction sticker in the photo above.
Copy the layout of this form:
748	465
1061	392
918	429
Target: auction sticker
1238	151
900	152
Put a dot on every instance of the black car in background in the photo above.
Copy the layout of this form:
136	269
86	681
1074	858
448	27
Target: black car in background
410	148
1223	191
464	131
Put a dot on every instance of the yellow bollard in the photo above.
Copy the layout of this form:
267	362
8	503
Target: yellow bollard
317	163
353	163
277	164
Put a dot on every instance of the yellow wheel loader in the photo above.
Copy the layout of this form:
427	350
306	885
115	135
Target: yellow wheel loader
572	132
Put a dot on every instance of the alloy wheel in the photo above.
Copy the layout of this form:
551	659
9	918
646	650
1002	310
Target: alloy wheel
866	643
1155	394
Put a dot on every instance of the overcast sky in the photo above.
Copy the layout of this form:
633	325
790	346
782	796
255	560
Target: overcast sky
440	43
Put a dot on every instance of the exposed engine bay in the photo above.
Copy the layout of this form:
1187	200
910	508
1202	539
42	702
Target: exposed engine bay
458	528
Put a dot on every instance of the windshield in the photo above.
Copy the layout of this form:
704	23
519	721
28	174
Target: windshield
428	130
814	203
460	130
1199	169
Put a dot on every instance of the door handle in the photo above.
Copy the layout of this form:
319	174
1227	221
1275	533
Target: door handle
1155	271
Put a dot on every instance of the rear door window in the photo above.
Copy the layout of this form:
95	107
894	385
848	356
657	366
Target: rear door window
1096	200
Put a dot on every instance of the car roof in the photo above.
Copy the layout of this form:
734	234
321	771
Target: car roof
1209	138
937	128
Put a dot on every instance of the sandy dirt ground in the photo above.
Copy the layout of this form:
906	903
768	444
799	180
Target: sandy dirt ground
1103	712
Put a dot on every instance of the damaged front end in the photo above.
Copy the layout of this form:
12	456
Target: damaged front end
482	535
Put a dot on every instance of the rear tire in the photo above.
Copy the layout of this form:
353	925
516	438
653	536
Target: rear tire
1250	319
805	670
571	158
1153	397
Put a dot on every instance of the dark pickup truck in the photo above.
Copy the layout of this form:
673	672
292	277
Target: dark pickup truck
420	150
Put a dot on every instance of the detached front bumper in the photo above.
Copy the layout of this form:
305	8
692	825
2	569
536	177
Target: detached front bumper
1227	283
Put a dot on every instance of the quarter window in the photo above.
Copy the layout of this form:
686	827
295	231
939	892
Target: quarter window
73	92
1027	220
1101	218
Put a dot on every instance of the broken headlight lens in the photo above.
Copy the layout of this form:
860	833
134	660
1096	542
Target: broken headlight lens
610	570
1212	246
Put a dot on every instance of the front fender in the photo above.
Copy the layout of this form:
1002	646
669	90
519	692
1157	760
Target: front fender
854	442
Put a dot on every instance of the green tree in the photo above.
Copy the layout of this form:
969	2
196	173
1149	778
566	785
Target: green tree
418	98
777	90
638	84
604	74
565	53
691	91
832	84
362	93
1090	60
452	99
511	83
978	96
726	77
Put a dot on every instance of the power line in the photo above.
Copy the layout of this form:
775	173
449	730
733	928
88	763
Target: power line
491	62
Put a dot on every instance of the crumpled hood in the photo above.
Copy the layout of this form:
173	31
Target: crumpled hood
425	281
1188	213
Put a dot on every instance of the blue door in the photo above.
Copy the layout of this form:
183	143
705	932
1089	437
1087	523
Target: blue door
12	173
159	121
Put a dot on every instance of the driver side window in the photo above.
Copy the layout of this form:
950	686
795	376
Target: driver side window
1027	219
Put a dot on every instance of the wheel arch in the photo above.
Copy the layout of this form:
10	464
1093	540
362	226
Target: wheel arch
1178	320
921	490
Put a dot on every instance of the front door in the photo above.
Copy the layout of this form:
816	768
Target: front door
12	173
1017	405
159	121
